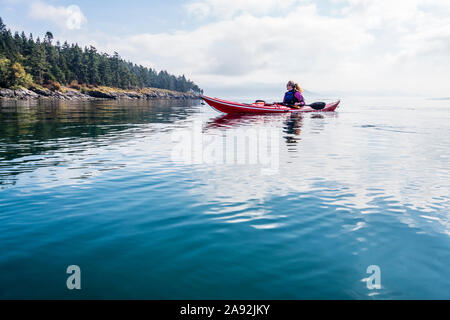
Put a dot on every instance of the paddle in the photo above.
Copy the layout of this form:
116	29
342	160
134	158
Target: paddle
315	105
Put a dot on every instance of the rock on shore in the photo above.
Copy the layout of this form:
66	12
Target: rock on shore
25	94
91	94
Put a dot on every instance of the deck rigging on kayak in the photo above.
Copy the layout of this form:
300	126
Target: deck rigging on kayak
261	107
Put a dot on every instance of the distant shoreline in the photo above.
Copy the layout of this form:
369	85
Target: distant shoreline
441	99
93	93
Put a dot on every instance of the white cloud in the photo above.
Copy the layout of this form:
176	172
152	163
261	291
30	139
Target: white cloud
227	9
249	49
71	17
375	46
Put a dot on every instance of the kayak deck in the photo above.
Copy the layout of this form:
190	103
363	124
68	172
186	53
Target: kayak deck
237	107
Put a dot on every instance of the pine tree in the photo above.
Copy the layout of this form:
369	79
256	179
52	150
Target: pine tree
24	45
48	37
105	70
93	66
2	25
49	63
37	62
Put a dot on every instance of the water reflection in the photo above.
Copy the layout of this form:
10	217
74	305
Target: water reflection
54	144
290	124
96	179
293	129
230	121
52	134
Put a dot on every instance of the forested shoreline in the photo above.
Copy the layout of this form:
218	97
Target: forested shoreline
42	64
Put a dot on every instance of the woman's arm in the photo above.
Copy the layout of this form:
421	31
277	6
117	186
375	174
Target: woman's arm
300	98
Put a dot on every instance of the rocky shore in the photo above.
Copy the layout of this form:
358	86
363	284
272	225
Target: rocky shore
92	94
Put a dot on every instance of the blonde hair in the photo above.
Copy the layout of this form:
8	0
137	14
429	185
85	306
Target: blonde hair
295	85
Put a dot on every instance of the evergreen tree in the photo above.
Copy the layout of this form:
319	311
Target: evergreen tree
25	46
48	37
2	25
48	63
93	66
37	62
105	70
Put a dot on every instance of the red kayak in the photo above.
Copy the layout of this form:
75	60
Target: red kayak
258	107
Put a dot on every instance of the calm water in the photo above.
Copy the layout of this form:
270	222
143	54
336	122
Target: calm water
140	197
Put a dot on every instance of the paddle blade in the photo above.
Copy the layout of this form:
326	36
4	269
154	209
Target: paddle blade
318	105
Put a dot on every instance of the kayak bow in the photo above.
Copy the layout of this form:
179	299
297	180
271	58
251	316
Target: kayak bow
237	107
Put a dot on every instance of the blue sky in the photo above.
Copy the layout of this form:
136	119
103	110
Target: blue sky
253	47
123	18
117	17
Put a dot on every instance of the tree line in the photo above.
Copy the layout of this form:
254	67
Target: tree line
24	61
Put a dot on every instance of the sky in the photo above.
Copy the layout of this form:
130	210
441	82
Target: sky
253	47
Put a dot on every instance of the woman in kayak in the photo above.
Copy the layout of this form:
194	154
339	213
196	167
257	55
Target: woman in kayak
294	95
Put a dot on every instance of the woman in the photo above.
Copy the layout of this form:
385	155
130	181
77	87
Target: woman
294	95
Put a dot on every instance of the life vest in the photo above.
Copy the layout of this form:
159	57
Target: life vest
290	98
